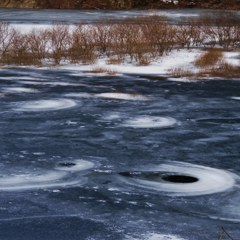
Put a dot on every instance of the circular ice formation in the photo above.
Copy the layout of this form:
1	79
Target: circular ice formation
31	181
79	165
20	90
47	105
181	179
122	96
150	122
60	177
235	98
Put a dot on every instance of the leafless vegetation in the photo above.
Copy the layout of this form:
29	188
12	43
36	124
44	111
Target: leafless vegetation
180	72
138	41
103	70
210	58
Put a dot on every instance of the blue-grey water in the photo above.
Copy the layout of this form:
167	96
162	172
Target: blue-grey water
94	203
77	165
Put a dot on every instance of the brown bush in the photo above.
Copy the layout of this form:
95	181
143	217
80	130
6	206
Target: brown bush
7	34
81	47
58	39
225	70
138	40
180	72
38	45
209	58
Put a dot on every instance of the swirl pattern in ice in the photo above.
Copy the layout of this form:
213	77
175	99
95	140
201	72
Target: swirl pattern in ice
46	105
150	122
181	179
60	177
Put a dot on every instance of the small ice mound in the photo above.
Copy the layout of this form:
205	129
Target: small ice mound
46	105
150	122
79	95
20	90
180	179
31	181
156	236
236	98
122	96
75	166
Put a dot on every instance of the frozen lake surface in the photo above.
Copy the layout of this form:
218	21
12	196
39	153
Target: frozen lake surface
84	16
117	157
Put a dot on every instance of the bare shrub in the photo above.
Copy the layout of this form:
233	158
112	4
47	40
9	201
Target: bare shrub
103	70
18	52
180	72
209	58
58	38
81	47
114	60
38	45
158	36
7	34
102	36
225	70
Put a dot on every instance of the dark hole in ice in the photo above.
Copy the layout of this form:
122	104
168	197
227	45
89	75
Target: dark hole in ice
179	179
67	164
160	176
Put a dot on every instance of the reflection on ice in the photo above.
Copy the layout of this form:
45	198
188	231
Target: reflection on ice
150	122
46	105
206	180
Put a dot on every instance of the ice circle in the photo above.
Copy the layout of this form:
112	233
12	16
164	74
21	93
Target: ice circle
46	105
58	177
150	122
235	98
179	179
122	96
20	90
30	181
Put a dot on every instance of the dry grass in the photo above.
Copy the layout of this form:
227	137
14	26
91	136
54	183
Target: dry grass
180	72
103	70
223	70
114	61
209	58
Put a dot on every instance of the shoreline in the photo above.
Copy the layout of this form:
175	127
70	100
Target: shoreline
202	49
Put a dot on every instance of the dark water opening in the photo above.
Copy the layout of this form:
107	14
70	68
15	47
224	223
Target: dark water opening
179	179
159	176
67	164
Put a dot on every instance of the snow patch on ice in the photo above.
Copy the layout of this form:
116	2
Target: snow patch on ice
122	96
150	122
